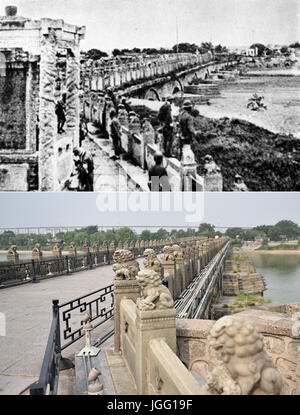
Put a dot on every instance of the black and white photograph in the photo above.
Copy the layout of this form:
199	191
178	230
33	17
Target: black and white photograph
160	95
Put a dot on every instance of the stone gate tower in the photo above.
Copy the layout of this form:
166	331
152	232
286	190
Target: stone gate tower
39	60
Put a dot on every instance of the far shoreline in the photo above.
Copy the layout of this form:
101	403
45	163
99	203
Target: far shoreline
274	251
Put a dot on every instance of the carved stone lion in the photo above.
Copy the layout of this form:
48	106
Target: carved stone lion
12	249
246	369
37	248
168	253
125	267
154	295
177	252
152	262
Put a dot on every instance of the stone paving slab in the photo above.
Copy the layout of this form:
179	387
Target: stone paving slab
9	384
122	379
28	313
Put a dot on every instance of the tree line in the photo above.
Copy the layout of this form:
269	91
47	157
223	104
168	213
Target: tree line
284	229
183	47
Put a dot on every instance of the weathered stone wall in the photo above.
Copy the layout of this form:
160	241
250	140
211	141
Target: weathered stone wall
12	109
280	344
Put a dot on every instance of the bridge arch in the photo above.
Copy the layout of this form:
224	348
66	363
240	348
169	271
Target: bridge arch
152	95
178	87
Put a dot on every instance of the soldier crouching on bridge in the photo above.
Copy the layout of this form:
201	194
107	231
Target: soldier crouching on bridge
158	176
84	170
186	125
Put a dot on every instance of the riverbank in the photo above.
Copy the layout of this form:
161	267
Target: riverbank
277	251
267	161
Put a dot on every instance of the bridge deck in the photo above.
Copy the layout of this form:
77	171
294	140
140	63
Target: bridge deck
28	313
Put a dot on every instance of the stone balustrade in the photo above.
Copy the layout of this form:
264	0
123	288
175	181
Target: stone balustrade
166	356
99	75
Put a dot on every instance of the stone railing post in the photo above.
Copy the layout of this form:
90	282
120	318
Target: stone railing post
105	252
36	253
153	321
150	325
56	251
125	286
168	264
180	282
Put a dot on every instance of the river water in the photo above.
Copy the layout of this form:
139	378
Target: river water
281	95
24	255
282	275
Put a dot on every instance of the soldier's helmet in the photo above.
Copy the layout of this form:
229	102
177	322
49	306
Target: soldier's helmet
208	158
187	104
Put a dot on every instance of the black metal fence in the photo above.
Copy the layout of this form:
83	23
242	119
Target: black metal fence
26	271
67	327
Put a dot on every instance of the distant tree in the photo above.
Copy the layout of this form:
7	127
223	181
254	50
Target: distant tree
89	229
206	229
116	52
160	234
275	234
96	54
221	49
206	46
146	235
185	48
250	234
288	228
125	234
234	232
295	45
260	48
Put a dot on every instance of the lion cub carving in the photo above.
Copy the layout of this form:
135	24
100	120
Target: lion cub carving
154	295
125	267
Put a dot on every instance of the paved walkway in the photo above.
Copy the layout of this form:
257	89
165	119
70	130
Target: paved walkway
28	314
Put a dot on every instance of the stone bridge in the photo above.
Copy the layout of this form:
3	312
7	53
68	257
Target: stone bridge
40	61
149	78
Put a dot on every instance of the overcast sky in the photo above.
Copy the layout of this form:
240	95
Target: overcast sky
80	209
152	23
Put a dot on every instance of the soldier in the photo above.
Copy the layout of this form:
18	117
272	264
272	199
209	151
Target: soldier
60	109
158	176
165	118
186	125
115	133
84	170
239	185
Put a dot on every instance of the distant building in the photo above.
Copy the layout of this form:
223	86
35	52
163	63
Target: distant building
252	52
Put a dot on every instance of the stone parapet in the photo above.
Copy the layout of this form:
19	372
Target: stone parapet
126	289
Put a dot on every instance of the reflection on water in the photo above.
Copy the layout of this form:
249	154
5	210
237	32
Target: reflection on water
282	275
